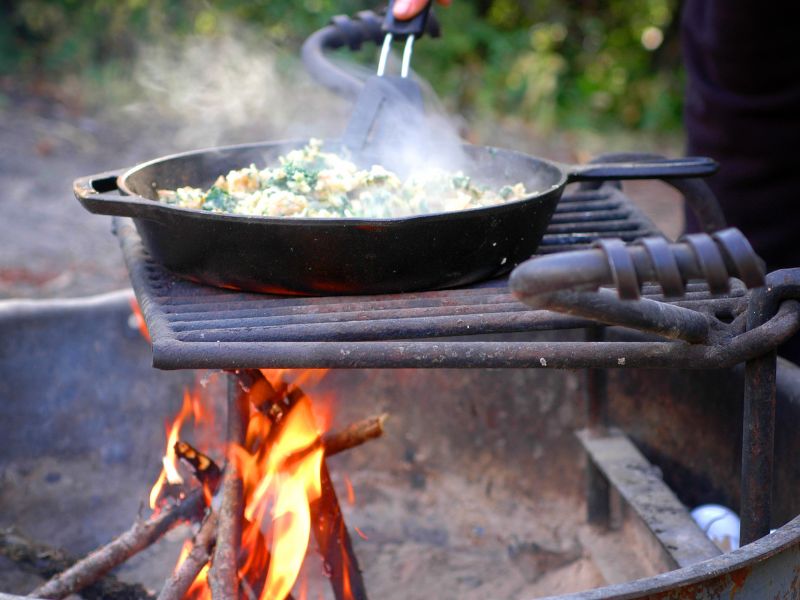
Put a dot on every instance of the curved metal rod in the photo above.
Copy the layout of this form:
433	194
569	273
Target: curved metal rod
343	31
758	435
324	70
696	192
569	282
746	573
781	285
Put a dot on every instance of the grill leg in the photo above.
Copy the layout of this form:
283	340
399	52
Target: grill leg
758	446
758	439
598	489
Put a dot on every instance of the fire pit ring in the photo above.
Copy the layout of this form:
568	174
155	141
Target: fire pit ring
31	329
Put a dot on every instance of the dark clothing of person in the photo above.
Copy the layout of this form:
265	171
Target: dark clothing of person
743	109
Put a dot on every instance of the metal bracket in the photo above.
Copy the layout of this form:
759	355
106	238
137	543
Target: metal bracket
570	282
637	481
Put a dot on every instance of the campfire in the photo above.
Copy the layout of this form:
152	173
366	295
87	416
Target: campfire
255	497
476	490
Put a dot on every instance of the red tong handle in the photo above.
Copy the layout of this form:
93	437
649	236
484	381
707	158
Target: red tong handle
414	26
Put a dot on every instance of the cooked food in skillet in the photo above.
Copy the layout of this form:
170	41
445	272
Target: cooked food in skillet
311	183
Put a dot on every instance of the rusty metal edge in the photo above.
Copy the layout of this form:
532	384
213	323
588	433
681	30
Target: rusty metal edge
744	574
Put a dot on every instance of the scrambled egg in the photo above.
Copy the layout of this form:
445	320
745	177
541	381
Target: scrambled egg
311	183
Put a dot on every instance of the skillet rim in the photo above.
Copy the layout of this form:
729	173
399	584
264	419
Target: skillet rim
134	198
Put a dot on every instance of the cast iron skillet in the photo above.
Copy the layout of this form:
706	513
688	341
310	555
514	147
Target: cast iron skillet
347	256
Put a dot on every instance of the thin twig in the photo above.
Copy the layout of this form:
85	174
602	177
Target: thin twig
142	534
335	442
353	435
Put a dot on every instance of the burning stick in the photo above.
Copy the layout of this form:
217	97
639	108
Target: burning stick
263	395
182	579
334	543
204	469
335	442
179	583
224	574
328	525
354	434
45	561
141	535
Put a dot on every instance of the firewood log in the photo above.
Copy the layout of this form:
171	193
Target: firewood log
224	574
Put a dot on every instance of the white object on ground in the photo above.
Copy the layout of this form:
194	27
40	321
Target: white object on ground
720	524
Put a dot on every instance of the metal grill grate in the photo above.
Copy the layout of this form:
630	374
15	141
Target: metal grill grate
193	325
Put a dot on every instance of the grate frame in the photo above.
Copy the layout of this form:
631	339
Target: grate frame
197	326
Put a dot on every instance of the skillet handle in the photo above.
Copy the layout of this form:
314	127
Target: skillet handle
662	168
100	194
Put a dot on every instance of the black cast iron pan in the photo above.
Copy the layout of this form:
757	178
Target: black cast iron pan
347	256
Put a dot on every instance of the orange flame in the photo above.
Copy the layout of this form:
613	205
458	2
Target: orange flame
139	318
280	463
169	470
185	550
203	417
200	589
281	477
351	494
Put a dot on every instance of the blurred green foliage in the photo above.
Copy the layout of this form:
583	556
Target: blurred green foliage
557	63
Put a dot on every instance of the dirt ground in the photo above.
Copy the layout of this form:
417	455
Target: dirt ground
51	247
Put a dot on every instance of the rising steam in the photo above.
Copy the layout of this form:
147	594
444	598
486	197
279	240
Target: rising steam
234	86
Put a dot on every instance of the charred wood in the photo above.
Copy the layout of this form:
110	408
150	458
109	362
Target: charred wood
224	576
204	469
261	392
333	539
46	561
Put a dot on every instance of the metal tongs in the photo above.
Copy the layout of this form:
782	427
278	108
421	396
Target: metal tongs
389	105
